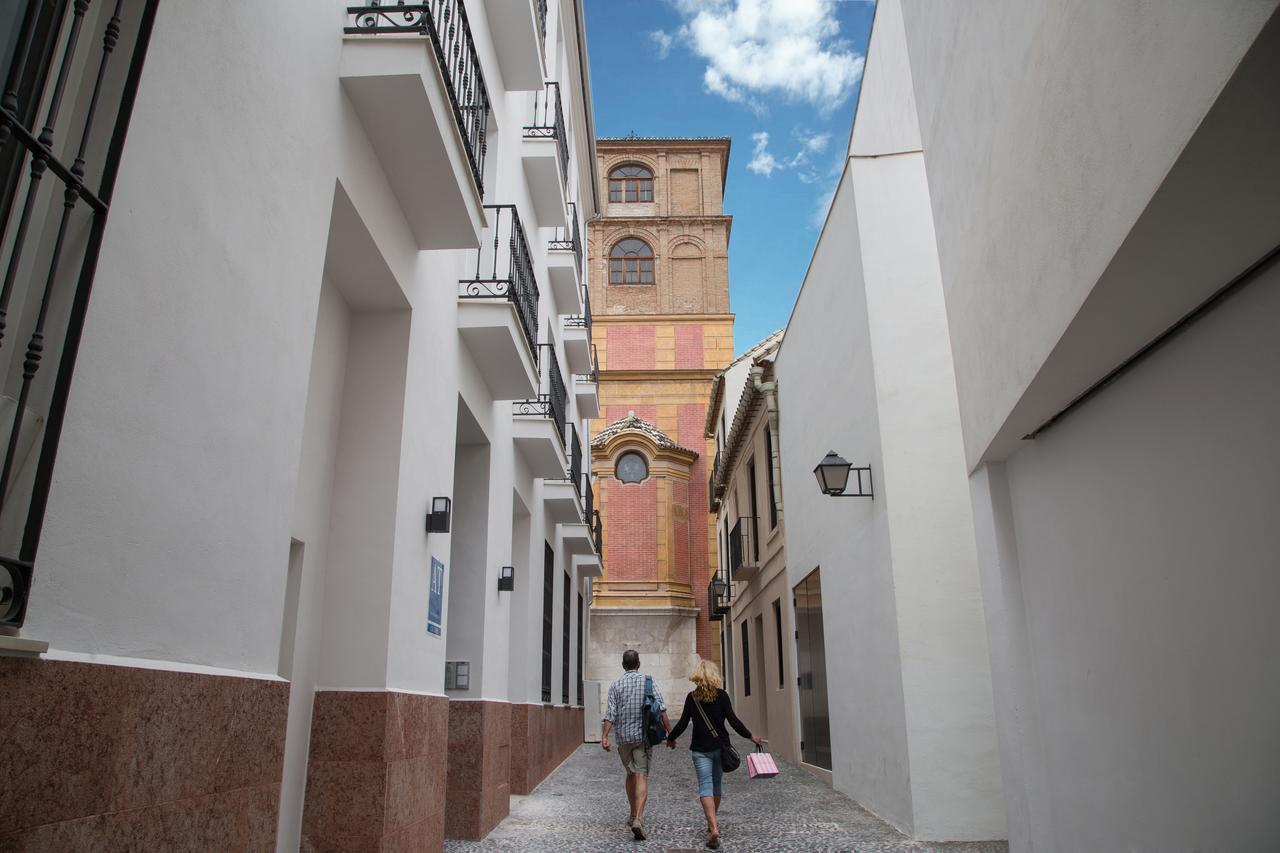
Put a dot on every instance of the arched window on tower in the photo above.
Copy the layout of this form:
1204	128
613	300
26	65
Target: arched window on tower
630	183
631	262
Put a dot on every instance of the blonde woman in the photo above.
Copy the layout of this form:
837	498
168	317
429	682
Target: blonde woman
713	706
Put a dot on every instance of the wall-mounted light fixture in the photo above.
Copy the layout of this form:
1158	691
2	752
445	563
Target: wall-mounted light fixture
833	477
438	518
506	579
718	587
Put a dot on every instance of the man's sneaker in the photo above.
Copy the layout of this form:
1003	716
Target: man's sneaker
637	830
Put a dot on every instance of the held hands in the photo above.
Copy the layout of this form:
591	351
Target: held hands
671	744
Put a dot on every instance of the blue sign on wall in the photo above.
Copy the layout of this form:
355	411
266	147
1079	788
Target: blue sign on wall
435	603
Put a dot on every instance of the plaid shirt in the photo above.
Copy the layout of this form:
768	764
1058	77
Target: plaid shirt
625	708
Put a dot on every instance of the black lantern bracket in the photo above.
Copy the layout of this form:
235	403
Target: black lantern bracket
507	579
833	478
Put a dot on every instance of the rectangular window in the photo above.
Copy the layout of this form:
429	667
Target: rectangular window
615	271
564	657
615	191
548	602
773	501
646	271
746	661
580	690
777	623
755	512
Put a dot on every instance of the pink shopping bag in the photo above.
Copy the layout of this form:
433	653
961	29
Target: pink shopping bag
760	765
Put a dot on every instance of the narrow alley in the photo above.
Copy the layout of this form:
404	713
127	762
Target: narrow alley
581	807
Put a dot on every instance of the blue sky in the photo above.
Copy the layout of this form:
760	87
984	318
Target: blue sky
742	68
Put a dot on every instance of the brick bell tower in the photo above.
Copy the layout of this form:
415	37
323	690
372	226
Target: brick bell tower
660	302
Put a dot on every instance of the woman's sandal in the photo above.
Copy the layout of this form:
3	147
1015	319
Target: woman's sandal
713	841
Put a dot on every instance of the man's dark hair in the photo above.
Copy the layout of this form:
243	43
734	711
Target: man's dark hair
630	660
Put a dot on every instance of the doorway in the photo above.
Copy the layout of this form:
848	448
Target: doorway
811	662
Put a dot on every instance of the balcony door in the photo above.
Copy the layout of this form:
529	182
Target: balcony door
811	663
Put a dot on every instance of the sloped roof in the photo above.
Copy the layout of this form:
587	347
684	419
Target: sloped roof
632	423
765	349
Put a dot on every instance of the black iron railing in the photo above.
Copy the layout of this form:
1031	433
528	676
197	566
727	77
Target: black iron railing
588	500
597	532
548	123
712	492
445	23
594	374
553	397
574	474
504	269
64	114
583	320
568	238
740	546
541	6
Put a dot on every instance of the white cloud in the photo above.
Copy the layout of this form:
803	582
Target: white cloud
787	47
819	216
762	162
662	41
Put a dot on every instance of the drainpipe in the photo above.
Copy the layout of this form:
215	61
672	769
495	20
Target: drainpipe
769	390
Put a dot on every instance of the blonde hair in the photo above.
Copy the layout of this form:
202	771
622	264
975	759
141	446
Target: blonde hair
706	681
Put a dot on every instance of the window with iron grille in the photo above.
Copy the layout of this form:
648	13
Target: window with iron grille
548	602
773	502
71	73
746	661
581	693
564	650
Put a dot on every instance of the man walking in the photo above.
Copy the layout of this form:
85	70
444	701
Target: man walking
624	712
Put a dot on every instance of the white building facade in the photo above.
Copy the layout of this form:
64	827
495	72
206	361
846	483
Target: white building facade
752	595
300	541
1058	359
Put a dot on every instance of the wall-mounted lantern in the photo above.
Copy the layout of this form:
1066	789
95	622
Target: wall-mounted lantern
833	478
718	587
438	518
506	579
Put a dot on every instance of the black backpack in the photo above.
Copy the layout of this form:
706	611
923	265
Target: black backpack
654	733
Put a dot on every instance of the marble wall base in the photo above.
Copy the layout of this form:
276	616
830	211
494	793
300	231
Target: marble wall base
479	786
99	757
542	736
376	772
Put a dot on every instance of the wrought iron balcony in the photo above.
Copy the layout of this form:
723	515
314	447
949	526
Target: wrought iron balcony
743	561
575	460
548	123
553	397
713	493
445	23
541	7
504	270
588	500
569	237
597	532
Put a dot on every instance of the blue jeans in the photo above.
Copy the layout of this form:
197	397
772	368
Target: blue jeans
710	770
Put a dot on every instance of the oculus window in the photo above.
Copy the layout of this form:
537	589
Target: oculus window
631	184
631	262
632	468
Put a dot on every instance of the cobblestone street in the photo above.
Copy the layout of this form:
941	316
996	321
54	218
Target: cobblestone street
581	807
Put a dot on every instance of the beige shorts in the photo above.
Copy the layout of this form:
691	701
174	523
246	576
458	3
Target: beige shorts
635	757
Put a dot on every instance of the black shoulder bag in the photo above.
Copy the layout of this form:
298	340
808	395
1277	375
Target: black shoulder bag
729	758
654	733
